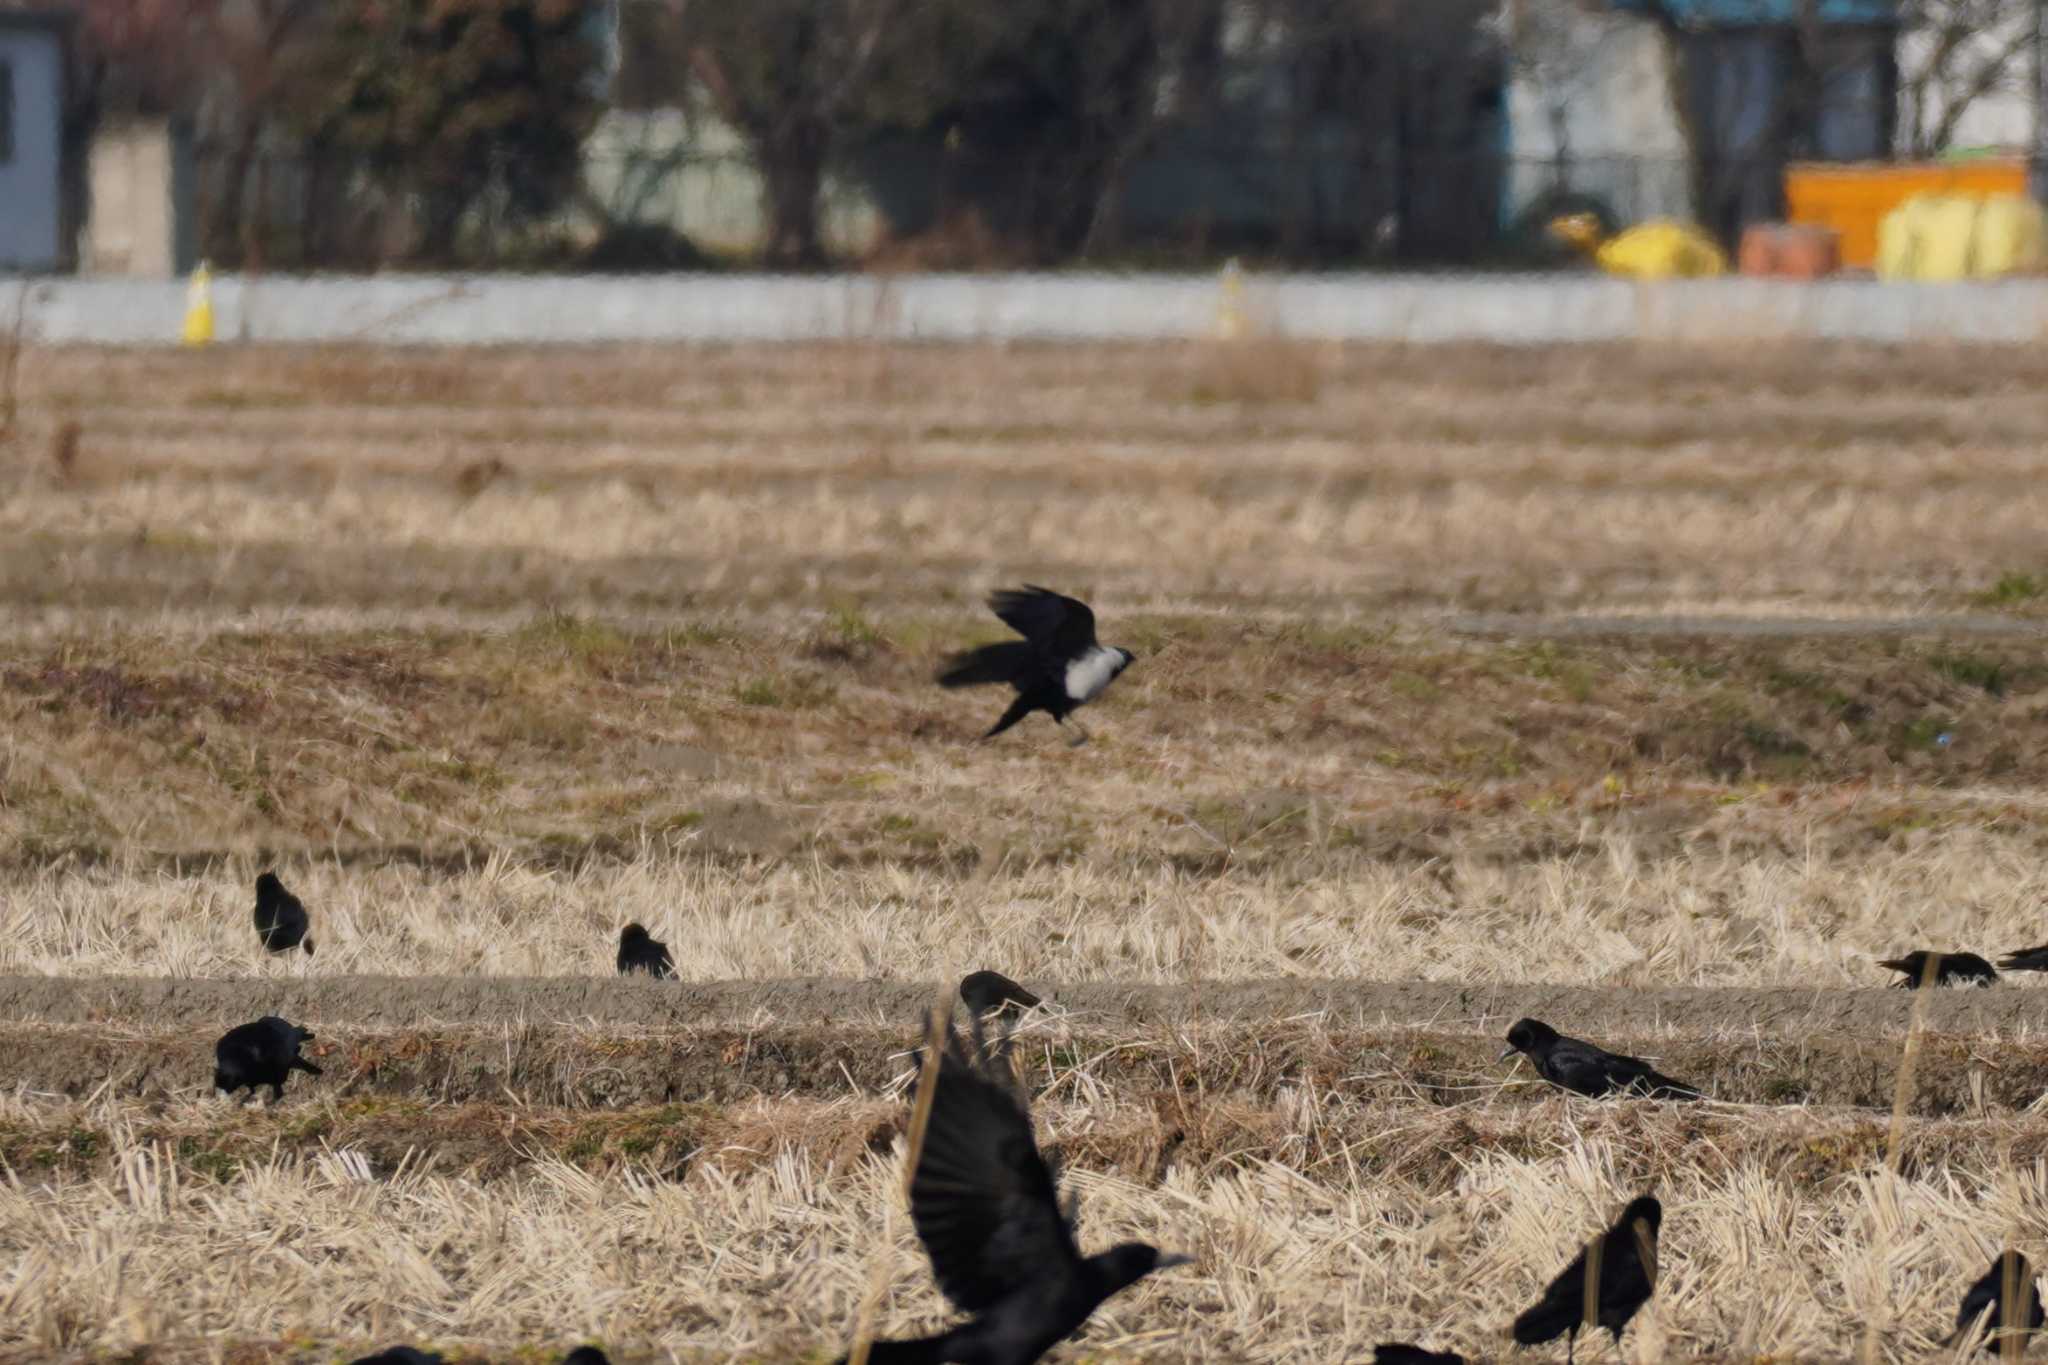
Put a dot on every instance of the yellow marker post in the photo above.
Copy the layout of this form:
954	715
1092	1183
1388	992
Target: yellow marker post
1230	318
198	330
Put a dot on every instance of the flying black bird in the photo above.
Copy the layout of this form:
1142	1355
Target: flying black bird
1579	1066
985	991
1986	1301
1628	1276
1956	969
2026	960
280	919
986	1205
1401	1353
586	1355
262	1053
1056	668
399	1355
639	951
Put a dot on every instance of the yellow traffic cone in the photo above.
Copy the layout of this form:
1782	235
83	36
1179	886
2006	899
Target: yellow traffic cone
199	308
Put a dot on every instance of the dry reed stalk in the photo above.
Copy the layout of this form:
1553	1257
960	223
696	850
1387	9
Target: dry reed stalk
937	1031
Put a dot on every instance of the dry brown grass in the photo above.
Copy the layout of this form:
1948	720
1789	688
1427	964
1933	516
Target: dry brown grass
1358	478
770	1260
492	652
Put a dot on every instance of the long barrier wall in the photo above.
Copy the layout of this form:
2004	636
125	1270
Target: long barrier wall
510	309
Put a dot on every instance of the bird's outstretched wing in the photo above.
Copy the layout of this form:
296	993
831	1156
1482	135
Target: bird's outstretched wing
983	1199
1060	627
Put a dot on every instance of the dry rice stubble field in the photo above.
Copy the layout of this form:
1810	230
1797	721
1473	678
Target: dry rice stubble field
490	652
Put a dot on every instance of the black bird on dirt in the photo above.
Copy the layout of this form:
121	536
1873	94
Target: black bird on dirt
586	1355
983	992
1984	1305
1056	668
1955	969
640	951
987	1207
1402	1353
1580	1066
399	1355
262	1053
281	920
1627	1279
2026	960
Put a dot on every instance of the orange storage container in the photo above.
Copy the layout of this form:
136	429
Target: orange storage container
1852	197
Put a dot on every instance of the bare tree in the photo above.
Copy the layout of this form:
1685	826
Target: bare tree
1556	49
1956	55
786	74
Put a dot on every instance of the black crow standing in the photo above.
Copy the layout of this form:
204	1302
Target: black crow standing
399	1355
262	1053
1579	1066
1056	668
1985	1303
986	1205
1956	969
1627	1278
586	1355
280	919
2026	960
1402	1353
982	992
640	951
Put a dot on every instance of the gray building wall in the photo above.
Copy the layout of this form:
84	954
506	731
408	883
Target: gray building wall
31	151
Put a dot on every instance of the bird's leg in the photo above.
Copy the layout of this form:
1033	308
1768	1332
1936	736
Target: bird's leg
1080	735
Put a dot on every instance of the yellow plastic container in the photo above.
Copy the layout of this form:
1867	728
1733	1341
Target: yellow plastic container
2012	236
1958	237
1854	197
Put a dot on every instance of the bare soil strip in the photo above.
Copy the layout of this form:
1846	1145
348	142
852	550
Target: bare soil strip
850	1040
626	1005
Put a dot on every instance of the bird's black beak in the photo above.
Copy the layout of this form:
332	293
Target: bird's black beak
1507	1052
1173	1260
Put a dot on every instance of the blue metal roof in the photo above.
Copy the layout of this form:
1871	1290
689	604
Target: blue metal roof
1729	13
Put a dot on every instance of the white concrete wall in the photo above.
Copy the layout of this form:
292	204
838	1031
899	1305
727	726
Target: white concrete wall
494	310
131	228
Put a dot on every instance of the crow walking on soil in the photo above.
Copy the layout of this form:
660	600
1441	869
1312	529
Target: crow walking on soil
641	952
280	919
986	1205
1627	1276
1580	1066
1955	969
1056	668
983	992
1985	1305
262	1053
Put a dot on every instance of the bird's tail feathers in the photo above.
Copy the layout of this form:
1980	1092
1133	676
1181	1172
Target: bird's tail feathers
999	663
1019	709
1662	1087
1546	1322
